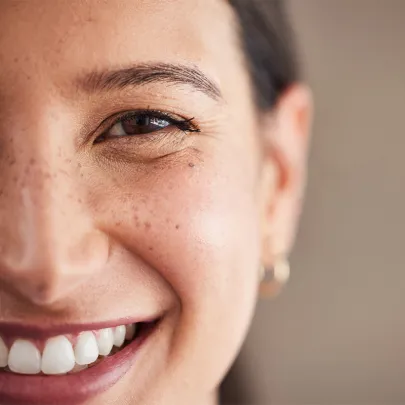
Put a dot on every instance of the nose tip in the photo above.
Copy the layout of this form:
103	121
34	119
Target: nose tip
47	276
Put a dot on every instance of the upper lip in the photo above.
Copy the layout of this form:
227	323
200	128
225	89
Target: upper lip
42	332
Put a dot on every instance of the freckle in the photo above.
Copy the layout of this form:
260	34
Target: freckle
16	60
147	225
191	164
80	200
177	226
32	161
118	223
151	248
12	162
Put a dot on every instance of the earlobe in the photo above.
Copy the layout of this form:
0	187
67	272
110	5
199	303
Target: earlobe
284	171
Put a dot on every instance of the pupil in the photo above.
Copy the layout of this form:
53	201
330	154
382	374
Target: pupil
142	120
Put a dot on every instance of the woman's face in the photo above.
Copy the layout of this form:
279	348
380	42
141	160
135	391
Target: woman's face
111	214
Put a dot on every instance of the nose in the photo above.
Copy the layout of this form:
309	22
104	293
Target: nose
49	244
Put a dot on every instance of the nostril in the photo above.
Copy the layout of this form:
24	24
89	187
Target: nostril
48	274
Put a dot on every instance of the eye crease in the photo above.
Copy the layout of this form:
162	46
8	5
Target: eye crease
144	122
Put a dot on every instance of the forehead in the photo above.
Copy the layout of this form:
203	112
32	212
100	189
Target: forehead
53	39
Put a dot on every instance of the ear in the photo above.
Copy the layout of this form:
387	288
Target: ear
286	137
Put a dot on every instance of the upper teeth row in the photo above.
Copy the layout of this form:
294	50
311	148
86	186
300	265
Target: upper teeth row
60	356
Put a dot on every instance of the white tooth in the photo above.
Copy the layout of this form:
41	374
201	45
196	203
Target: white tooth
119	335
3	354
24	358
86	349
130	333
58	356
105	341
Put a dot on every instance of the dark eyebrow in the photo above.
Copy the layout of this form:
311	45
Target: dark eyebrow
141	74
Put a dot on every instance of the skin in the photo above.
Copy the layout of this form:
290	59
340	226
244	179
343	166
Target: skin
179	223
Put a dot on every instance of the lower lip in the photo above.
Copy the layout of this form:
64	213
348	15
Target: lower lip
72	389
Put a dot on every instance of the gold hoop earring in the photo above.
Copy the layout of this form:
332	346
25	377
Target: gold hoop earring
274	279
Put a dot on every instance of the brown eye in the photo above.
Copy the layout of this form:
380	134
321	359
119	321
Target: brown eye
137	124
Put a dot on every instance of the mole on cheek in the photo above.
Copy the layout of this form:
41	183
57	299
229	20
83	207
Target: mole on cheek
191	164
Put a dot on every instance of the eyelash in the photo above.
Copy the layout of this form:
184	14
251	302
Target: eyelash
185	125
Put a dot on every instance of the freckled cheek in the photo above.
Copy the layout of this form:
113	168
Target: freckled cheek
195	226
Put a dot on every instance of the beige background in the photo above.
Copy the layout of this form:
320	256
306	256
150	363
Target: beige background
337	334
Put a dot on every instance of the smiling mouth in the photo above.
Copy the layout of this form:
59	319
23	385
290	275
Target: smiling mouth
68	368
65	354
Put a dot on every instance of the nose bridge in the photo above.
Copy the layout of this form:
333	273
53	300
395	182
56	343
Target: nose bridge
48	244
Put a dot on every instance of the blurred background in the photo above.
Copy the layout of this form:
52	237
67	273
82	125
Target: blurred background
337	333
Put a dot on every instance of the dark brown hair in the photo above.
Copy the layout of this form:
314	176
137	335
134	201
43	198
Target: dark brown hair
267	40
